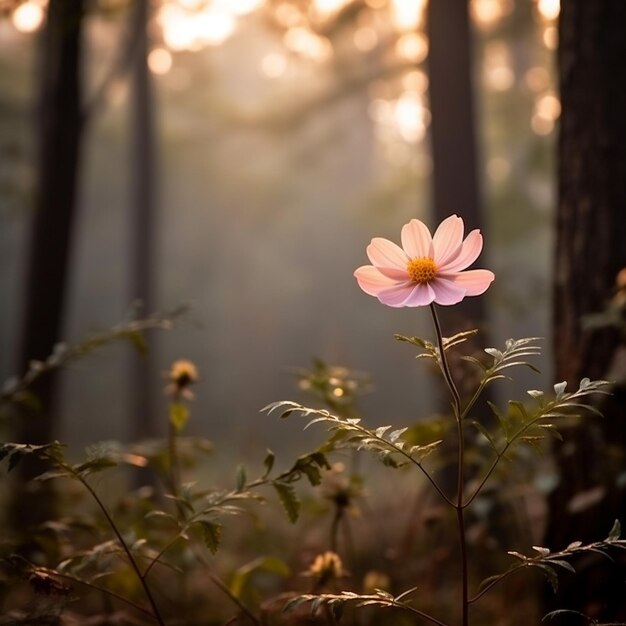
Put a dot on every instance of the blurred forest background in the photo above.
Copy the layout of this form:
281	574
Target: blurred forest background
238	156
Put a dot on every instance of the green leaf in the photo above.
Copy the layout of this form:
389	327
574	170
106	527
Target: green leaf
179	414
558	612
551	574
484	432
211	533
289	500
337	610
161	515
564	564
489	580
268	462
559	388
416	341
396	434
241	477
93	466
616	531
496	354
502	419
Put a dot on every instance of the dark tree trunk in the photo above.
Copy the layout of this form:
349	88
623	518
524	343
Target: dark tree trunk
590	249
455	186
142	217
60	128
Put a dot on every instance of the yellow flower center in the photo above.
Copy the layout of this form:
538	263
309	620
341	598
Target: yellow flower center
421	270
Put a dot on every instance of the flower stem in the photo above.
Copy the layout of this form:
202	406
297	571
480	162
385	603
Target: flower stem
174	471
133	562
458	505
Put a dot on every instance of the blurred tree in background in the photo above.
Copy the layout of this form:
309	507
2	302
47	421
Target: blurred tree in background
60	129
590	251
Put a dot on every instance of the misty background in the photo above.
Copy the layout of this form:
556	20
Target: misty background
268	191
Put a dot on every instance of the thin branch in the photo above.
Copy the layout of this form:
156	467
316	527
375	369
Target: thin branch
86	583
494	582
133	563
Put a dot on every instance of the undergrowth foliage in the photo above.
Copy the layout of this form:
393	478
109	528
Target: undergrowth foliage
159	549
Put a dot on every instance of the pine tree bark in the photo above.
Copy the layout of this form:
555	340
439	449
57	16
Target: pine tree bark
590	250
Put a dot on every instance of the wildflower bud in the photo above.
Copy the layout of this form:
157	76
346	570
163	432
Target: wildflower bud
326	567
181	376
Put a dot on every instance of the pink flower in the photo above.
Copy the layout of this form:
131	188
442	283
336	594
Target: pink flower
426	269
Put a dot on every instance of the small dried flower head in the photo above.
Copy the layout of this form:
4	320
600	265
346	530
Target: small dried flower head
326	567
181	376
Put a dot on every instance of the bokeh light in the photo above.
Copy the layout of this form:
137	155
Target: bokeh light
306	43
411	117
28	17
537	78
326	8
274	65
365	38
549	9
287	15
192	30
550	37
407	15
412	47
498	70
160	61
237	7
489	13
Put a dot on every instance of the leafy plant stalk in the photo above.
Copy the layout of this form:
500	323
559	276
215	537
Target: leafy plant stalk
458	506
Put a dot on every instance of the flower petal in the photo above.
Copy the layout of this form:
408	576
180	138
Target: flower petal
398	295
447	240
416	239
371	281
470	249
474	282
385	254
447	292
422	295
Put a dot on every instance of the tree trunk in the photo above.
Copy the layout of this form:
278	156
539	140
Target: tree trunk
60	129
142	218
590	249
455	186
